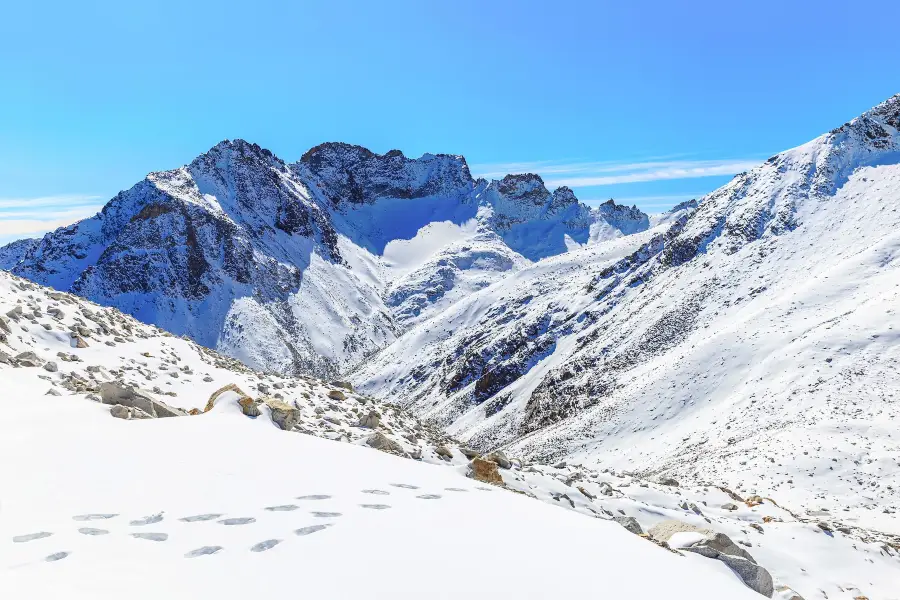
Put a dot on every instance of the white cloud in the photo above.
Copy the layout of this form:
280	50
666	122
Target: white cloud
31	217
587	174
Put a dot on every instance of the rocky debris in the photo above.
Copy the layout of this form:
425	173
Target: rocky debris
668	481
485	470
500	459
729	506
629	523
283	414
342	384
718	546
51	367
379	441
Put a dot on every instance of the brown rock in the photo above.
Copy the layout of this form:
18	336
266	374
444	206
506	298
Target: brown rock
485	470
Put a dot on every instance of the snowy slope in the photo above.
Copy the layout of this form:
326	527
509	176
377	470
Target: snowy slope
749	343
218	502
294	267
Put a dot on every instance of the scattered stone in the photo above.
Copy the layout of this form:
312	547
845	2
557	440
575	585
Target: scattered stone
342	384
729	506
443	452
668	481
51	367
469	453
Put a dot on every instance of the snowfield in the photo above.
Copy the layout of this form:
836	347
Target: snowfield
94	506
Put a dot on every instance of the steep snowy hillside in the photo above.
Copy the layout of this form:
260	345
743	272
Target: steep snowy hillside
220	498
751	342
293	268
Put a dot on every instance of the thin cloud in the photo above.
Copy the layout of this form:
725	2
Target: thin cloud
587	174
32	217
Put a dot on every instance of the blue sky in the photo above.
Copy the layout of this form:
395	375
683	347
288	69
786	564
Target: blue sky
646	102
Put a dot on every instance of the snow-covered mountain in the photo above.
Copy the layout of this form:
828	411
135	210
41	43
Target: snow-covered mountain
750	338
139	453
311	266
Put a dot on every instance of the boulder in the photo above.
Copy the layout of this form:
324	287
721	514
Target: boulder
5	358
4	324
469	452
629	523
499	458
729	506
485	470
443	452
249	407
51	367
120	412
379	441
78	342
29	359
718	546
116	392
668	481
342	384
372	420
283	414
337	395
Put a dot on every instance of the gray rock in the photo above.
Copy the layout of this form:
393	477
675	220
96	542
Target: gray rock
120	412
28	359
283	414
754	576
499	458
53	392
51	367
4	324
342	384
443	452
379	441
469	453
116	392
371	420
729	506
668	481
5	358
629	523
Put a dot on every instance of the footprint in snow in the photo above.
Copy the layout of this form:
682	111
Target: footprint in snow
405	486
324	514
483	489
429	496
282	508
92	531
265	545
147	520
153	537
456	489
94	516
376	492
238	521
29	537
310	529
204	551
204	517
314	497
56	556
376	506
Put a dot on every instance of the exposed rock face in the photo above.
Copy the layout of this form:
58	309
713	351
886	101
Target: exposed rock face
629	523
625	219
238	249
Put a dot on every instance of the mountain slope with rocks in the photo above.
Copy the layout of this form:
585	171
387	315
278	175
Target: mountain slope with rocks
308	267
147	454
749	340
